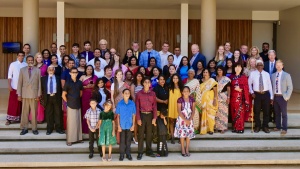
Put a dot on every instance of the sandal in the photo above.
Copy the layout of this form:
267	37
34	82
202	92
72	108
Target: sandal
104	159
222	132
188	154
69	144
183	155
7	122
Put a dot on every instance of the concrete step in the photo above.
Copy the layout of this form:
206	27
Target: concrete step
48	147
14	135
174	160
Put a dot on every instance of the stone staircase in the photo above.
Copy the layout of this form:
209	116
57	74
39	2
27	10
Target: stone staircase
246	150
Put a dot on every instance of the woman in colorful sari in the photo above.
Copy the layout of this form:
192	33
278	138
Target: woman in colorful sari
209	101
223	100
239	100
88	83
194	84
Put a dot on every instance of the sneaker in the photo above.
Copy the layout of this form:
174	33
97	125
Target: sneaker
135	142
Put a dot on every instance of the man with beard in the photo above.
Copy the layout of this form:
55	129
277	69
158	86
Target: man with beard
264	53
29	91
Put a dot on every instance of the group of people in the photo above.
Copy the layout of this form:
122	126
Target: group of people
148	95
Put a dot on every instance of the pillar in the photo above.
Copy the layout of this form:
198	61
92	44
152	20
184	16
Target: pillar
60	39
208	28
184	29
31	24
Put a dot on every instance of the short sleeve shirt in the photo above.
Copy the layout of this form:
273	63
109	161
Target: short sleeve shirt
126	111
73	93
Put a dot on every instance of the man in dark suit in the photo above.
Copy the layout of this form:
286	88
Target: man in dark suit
270	67
197	56
88	54
244	54
135	47
51	90
103	47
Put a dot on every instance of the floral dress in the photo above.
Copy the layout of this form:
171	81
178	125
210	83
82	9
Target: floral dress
182	130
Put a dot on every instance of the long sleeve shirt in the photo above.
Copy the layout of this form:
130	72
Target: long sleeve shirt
143	60
145	102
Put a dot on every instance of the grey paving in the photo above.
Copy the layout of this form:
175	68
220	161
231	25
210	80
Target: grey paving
6	135
16	147
174	159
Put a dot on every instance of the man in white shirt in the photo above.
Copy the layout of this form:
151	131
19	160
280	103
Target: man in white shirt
177	56
282	88
164	53
97	54
261	90
14	106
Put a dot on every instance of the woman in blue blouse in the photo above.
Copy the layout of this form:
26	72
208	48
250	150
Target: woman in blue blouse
183	68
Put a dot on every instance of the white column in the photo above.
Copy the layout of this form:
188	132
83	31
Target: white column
184	29
60	34
31	24
208	28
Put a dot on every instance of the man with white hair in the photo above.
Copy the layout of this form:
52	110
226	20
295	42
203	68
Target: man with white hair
103	47
197	56
261	90
52	90
269	66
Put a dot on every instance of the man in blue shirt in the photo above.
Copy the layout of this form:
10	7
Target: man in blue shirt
144	59
126	118
65	76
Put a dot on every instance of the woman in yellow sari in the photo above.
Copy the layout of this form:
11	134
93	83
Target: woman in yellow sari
209	107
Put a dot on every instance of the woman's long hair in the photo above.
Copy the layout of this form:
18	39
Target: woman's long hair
116	84
135	78
172	84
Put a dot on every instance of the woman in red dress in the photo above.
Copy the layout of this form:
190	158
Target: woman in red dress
239	100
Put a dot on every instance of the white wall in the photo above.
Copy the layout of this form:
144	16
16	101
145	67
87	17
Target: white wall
262	31
289	42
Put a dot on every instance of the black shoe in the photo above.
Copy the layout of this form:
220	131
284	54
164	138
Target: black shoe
24	131
129	157
233	131
121	157
240	131
172	140
60	132
101	154
48	132
91	155
35	132
257	129
210	133
139	157
266	130
151	155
